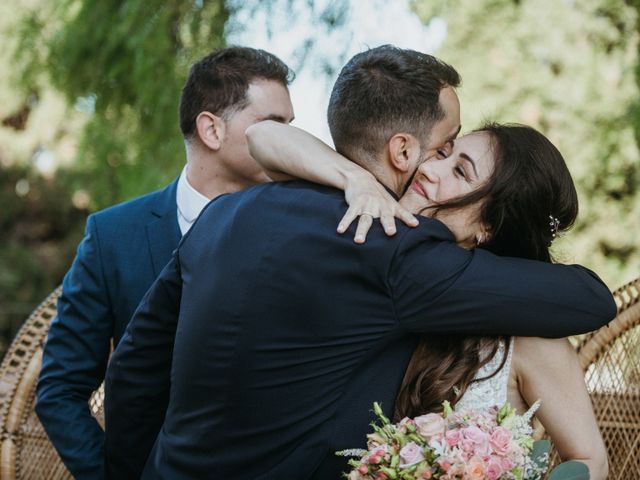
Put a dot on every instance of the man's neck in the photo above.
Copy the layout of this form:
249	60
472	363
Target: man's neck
212	184
209	176
391	181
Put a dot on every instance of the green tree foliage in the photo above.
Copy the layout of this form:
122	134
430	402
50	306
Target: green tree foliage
38	236
124	63
40	225
571	69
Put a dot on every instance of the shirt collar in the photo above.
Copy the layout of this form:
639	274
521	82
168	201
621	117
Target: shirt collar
190	202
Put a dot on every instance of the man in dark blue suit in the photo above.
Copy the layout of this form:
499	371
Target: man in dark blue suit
125	247
284	333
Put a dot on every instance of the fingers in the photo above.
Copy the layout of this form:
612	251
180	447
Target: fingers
364	224
388	223
406	216
368	207
348	218
387	220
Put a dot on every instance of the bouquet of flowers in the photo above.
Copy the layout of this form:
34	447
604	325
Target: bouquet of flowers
496	445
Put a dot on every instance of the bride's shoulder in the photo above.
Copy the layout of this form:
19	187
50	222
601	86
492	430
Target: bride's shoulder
540	353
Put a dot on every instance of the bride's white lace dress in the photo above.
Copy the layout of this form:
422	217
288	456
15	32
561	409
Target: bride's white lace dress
492	391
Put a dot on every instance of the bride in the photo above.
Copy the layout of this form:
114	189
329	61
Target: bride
504	188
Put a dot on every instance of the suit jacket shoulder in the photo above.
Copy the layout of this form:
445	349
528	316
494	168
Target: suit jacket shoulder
138	210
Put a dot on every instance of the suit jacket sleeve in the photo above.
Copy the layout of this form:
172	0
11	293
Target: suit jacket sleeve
440	287
74	361
138	377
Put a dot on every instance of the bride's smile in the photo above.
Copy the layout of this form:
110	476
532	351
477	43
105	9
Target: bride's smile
461	167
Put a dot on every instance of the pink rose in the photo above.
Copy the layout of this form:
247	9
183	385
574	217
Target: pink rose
479	440
474	434
429	424
500	439
494	468
467	445
410	454
507	464
453	437
475	469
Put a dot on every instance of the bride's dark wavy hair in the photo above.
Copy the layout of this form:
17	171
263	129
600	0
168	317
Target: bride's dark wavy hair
530	182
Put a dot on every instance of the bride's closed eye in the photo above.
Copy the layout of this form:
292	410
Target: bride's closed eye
460	171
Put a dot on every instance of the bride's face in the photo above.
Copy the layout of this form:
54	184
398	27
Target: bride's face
462	167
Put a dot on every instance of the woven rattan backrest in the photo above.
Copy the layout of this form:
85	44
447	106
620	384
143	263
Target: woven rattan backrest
25	452
611	359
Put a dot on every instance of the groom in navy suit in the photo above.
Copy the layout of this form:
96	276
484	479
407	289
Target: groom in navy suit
126	246
279	333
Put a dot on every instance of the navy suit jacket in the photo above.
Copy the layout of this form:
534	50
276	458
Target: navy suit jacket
286	333
124	249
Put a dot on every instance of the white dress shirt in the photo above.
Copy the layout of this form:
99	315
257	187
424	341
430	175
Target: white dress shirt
190	202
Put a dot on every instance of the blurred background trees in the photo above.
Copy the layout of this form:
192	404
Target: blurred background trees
89	92
122	65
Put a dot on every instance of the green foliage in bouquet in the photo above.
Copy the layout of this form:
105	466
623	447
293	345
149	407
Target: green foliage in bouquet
540	452
571	470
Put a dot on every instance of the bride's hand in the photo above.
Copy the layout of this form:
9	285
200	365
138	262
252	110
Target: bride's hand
368	199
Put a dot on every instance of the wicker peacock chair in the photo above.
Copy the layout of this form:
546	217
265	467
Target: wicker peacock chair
610	357
25	452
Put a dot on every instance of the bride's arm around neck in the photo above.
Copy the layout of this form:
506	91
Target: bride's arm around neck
286	152
549	370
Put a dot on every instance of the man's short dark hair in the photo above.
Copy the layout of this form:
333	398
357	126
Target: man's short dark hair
218	83
383	91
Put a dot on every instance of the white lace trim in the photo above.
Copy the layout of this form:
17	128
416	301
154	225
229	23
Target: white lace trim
493	391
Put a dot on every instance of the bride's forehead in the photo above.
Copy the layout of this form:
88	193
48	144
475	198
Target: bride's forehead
472	139
476	145
478	142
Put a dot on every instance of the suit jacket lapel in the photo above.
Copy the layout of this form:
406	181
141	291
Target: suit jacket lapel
163	232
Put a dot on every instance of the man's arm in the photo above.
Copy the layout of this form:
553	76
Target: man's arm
440	287
74	361
138	379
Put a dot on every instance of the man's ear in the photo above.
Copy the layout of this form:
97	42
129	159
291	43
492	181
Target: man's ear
404	152
211	130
